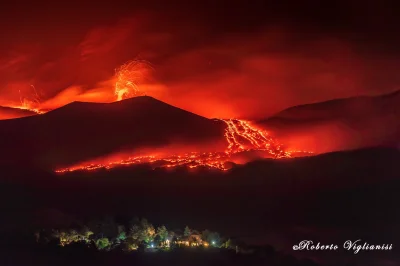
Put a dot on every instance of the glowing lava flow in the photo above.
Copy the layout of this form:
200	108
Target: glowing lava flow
191	160
240	135
128	76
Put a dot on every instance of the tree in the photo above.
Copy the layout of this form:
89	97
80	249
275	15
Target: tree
85	234
135	232
131	244
229	244
107	235
142	232
102	243
121	233
72	236
162	232
187	231
62	237
148	231
121	236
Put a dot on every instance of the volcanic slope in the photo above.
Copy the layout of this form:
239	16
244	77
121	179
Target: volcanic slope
81	131
341	124
10	113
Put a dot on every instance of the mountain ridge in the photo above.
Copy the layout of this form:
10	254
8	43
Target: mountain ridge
82	131
336	103
339	124
13	113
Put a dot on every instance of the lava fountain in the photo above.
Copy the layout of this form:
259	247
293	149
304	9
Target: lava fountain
128	76
127	81
29	103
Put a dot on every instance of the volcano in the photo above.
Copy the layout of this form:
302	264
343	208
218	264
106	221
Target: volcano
84	136
81	131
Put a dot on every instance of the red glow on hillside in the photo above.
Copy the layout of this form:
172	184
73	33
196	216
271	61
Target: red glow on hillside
240	136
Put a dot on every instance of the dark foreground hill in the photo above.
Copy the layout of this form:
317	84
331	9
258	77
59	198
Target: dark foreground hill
328	198
340	124
262	256
81	131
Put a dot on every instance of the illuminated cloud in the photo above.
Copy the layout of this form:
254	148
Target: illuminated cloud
201	67
100	41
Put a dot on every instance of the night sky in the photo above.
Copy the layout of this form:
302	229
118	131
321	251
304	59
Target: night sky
215	58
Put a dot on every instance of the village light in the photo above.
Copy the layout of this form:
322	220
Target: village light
213	242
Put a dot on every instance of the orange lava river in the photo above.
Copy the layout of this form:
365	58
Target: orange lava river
240	136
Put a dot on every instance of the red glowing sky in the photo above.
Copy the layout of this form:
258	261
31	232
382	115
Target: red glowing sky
217	61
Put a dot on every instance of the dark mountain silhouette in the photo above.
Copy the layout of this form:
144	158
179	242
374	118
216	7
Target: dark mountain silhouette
261	183
9	112
81	131
348	123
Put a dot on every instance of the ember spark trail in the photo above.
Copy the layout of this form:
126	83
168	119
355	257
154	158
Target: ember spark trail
29	103
129	76
240	136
